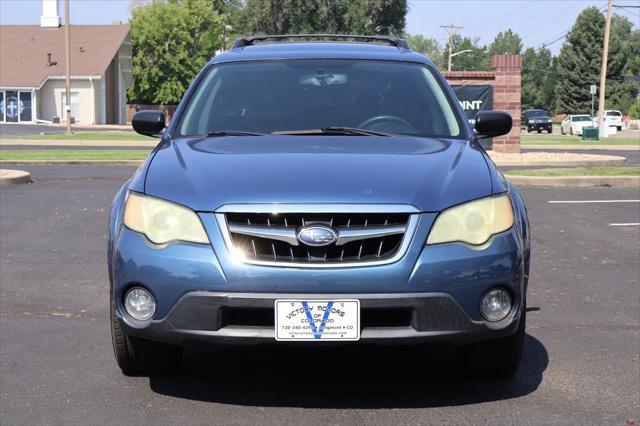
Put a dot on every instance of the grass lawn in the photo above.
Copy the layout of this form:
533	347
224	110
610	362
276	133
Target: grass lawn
73	154
573	140
579	171
88	136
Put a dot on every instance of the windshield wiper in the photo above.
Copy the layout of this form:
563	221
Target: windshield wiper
214	134
346	131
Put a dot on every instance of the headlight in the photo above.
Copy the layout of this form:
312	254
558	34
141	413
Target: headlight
473	222
162	221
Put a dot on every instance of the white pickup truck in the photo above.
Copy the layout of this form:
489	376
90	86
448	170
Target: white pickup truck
612	118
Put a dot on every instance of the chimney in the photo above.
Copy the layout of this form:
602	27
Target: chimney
49	18
50	63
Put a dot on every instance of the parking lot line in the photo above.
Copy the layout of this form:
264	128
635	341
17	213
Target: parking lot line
592	201
624	224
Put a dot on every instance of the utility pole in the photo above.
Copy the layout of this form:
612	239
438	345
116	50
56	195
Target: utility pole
451	30
603	71
67	64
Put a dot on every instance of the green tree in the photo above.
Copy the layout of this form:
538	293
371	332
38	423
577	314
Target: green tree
549	87
476	60
621	93
506	43
427	46
322	16
634	110
580	60
538	79
171	42
632	68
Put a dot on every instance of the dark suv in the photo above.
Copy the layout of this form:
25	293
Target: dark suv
323	191
536	119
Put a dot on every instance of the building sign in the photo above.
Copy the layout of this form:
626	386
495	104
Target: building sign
474	99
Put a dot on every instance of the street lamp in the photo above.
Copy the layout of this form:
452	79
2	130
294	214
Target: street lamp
451	55
225	28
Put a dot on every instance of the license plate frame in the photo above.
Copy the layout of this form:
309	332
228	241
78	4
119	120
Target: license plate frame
341	319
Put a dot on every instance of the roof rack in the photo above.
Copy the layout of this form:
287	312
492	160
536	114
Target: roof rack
243	41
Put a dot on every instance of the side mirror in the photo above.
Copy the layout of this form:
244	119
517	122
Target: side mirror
148	123
490	124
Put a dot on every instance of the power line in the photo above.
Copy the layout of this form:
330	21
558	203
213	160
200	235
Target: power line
517	9
630	12
553	40
451	30
559	15
559	37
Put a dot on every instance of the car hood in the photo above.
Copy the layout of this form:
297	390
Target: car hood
430	174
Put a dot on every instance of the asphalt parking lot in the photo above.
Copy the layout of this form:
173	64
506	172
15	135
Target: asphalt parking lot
581	362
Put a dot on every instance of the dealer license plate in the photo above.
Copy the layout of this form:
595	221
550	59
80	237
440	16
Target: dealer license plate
312	320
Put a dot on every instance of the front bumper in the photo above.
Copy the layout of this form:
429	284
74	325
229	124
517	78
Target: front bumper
431	294
433	317
540	126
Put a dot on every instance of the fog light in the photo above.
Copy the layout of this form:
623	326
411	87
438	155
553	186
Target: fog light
139	303
495	305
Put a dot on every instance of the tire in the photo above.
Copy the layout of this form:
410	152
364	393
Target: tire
571	131
137	356
562	131
619	128
497	358
539	130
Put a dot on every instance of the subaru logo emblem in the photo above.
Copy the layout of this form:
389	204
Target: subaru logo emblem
317	236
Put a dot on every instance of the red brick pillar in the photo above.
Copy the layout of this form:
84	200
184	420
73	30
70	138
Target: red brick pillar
506	97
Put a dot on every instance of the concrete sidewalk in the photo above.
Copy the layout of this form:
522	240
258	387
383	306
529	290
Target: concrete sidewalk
574	181
151	142
589	146
90	143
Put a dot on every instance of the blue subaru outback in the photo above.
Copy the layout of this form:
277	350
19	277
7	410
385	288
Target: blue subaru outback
319	189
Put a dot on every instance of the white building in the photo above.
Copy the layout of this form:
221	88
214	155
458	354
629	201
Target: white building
32	71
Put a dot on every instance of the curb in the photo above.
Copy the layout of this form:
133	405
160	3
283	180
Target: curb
8	177
611	161
574	181
584	147
94	143
616	161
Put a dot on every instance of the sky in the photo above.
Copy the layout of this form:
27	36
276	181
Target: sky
536	21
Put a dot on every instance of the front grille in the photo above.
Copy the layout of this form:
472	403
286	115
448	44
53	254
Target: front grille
264	317
361	237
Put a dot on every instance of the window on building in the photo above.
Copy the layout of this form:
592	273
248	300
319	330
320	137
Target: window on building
15	106
25	106
75	105
12	106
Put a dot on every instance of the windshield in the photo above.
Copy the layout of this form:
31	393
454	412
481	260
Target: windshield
536	113
580	118
613	114
294	95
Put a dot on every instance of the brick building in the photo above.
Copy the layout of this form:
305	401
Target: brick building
505	79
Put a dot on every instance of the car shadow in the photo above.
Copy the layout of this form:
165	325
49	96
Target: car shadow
341	377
